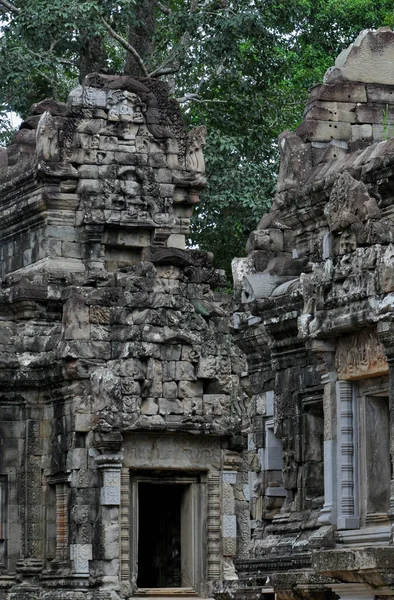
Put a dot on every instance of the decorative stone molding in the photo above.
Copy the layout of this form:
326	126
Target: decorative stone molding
360	355
81	554
111	466
213	526
347	474
125	528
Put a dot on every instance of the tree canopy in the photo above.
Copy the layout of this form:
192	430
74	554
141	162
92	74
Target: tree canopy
241	67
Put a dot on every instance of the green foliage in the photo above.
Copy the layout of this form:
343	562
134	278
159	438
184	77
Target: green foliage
251	63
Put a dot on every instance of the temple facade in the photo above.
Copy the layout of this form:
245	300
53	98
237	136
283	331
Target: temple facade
317	328
159	438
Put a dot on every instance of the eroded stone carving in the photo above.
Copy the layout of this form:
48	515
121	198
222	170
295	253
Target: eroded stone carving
360	355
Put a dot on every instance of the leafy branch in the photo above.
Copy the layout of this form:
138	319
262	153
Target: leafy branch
125	45
11	7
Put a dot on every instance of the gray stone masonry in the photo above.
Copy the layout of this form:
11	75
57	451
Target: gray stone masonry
110	329
315	321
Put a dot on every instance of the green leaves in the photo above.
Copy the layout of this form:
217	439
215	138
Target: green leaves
250	63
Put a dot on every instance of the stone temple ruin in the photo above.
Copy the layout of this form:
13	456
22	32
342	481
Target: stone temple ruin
157	442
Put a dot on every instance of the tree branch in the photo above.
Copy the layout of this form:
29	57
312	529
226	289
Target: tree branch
123	43
10	7
164	9
196	98
164	71
171	63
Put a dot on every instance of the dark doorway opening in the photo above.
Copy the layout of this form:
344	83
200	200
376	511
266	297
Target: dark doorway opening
159	535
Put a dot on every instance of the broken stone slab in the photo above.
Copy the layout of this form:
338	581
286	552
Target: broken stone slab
170	407
328	152
265	239
261	285
361	133
370	59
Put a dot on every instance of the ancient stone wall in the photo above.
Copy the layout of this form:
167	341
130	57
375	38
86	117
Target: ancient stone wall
118	370
316	293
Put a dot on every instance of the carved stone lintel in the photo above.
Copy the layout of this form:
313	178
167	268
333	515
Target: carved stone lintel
360	355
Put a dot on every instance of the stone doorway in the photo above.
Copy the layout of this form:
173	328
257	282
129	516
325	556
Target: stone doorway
167	532
159	539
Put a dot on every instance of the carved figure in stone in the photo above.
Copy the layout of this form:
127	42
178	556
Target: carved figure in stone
47	138
125	106
88	97
95	141
295	160
194	152
347	242
349	203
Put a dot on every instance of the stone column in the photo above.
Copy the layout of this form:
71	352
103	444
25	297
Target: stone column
347	457
213	526
125	524
385	331
229	524
328	514
110	464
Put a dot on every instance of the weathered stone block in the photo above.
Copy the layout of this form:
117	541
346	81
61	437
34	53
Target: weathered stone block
320	131
344	91
149	407
369	58
170	407
170	390
190	389
184	371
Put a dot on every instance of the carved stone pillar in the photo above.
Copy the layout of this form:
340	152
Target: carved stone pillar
213	526
347	457
231	463
125	571
30	566
328	514
110	465
34	521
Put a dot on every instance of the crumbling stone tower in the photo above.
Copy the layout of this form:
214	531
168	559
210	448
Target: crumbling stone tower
120	400
317	327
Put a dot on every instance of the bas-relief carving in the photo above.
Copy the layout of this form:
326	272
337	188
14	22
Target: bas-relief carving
360	355
143	451
125	106
47	139
81	554
195	145
349	203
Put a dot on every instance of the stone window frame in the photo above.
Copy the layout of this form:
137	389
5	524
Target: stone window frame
199	500
364	389
351	457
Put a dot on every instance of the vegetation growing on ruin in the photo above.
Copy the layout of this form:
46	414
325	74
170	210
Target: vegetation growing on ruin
242	67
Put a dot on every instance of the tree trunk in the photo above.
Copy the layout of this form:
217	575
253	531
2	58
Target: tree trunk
141	36
92	56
